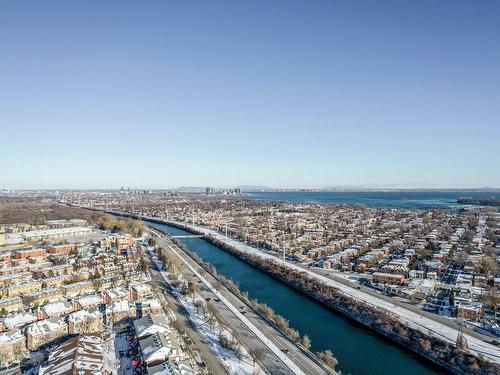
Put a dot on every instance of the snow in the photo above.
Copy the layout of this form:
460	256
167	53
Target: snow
230	361
410	318
271	346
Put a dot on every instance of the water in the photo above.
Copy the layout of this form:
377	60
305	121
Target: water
359	350
387	199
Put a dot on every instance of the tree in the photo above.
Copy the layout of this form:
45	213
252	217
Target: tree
327	358
256	354
306	342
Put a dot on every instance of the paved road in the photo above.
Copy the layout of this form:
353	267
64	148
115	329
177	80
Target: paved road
214	365
270	363
440	319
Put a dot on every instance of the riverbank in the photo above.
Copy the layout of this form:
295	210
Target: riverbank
433	340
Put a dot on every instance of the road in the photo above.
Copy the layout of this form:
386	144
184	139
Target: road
271	363
416	319
213	364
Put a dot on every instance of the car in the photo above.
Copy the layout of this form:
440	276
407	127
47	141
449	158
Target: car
495	342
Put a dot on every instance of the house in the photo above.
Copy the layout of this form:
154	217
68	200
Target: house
45	331
42	297
23	288
16	320
171	368
54	309
139	292
469	311
149	325
157	349
61	249
388	278
77	289
12	347
87	302
149	307
121	310
85	321
82	355
11	304
114	294
29	253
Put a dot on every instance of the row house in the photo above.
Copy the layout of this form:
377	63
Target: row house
139	292
15	279
81	355
77	289
44	331
54	309
61	249
5	258
87	302
388	278
12	347
11	304
14	270
114	294
149	307
29	253
85	321
16	320
56	281
120	310
23	288
43	296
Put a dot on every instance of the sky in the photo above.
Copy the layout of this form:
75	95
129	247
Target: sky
160	94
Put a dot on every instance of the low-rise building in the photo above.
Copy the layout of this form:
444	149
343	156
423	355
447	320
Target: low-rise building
16	320
149	325
85	321
45	331
78	289
157	349
82	355
12	347
388	278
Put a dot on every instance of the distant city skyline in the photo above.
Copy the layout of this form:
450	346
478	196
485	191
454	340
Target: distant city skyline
282	94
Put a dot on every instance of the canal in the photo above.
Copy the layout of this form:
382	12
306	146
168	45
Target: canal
358	349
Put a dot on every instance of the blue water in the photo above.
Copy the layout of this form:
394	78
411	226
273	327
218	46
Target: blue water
392	199
359	350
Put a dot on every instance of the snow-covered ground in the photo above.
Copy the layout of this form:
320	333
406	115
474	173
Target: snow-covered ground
408	317
231	362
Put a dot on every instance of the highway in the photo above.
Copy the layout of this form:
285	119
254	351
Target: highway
270	363
212	362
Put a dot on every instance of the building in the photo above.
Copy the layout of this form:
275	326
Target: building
157	349
149	325
55	234
11	304
54	309
29	253
388	278
121	310
82	355
139	292
42	297
87	302
84	321
45	331
12	347
114	294
78	289
24	288
149	307
16	320
61	249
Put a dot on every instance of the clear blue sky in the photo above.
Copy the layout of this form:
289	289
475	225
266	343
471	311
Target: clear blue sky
102	94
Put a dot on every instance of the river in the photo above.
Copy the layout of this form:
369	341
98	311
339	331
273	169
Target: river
358	349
